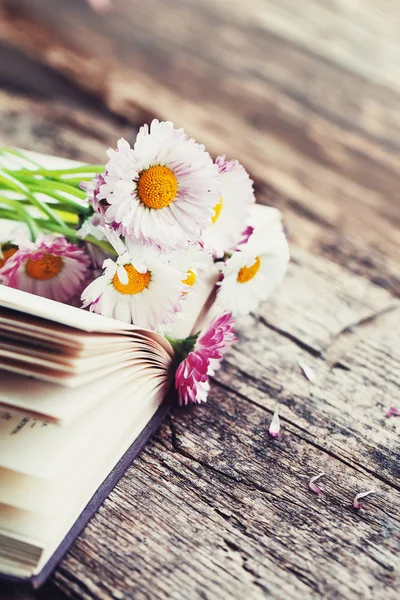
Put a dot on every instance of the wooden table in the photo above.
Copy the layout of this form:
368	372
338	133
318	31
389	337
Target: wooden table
307	96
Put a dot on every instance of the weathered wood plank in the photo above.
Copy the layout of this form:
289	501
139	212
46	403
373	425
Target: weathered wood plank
213	491
320	142
319	302
56	128
361	37
356	366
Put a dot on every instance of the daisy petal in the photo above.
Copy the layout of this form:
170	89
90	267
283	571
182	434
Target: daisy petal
314	488
230	212
393	412
358	497
275	427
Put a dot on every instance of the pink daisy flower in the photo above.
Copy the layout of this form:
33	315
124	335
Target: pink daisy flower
192	375
50	267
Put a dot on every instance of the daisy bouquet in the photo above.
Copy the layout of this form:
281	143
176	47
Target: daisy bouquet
144	239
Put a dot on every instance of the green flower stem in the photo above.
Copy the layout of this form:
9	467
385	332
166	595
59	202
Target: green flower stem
103	244
46	225
73	181
183	347
58	173
19	187
70	218
64	211
36	225
55	228
18	154
42	185
6	213
73	236
76	205
23	215
62	187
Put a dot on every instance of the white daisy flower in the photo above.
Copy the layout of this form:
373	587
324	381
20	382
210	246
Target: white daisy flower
162	191
140	287
230	212
256	269
192	260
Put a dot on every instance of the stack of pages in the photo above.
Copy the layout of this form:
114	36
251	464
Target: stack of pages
79	396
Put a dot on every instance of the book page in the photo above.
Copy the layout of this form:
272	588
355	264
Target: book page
51	447
59	403
47	497
27	526
76	366
44	512
105	466
58	312
54	375
28	538
76	318
24	330
27	493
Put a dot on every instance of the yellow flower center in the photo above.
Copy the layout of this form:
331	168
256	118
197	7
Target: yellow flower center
44	268
217	211
247	273
137	282
157	187
190	279
7	250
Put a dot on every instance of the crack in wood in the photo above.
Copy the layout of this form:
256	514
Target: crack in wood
313	351
354	327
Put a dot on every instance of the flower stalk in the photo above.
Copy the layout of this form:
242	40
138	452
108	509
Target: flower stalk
183	347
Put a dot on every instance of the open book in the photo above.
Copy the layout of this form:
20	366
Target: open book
79	396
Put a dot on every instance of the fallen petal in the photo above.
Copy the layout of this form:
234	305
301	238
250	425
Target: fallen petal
308	371
100	5
314	488
356	503
393	412
275	426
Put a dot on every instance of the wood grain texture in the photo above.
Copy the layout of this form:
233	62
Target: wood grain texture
214	508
